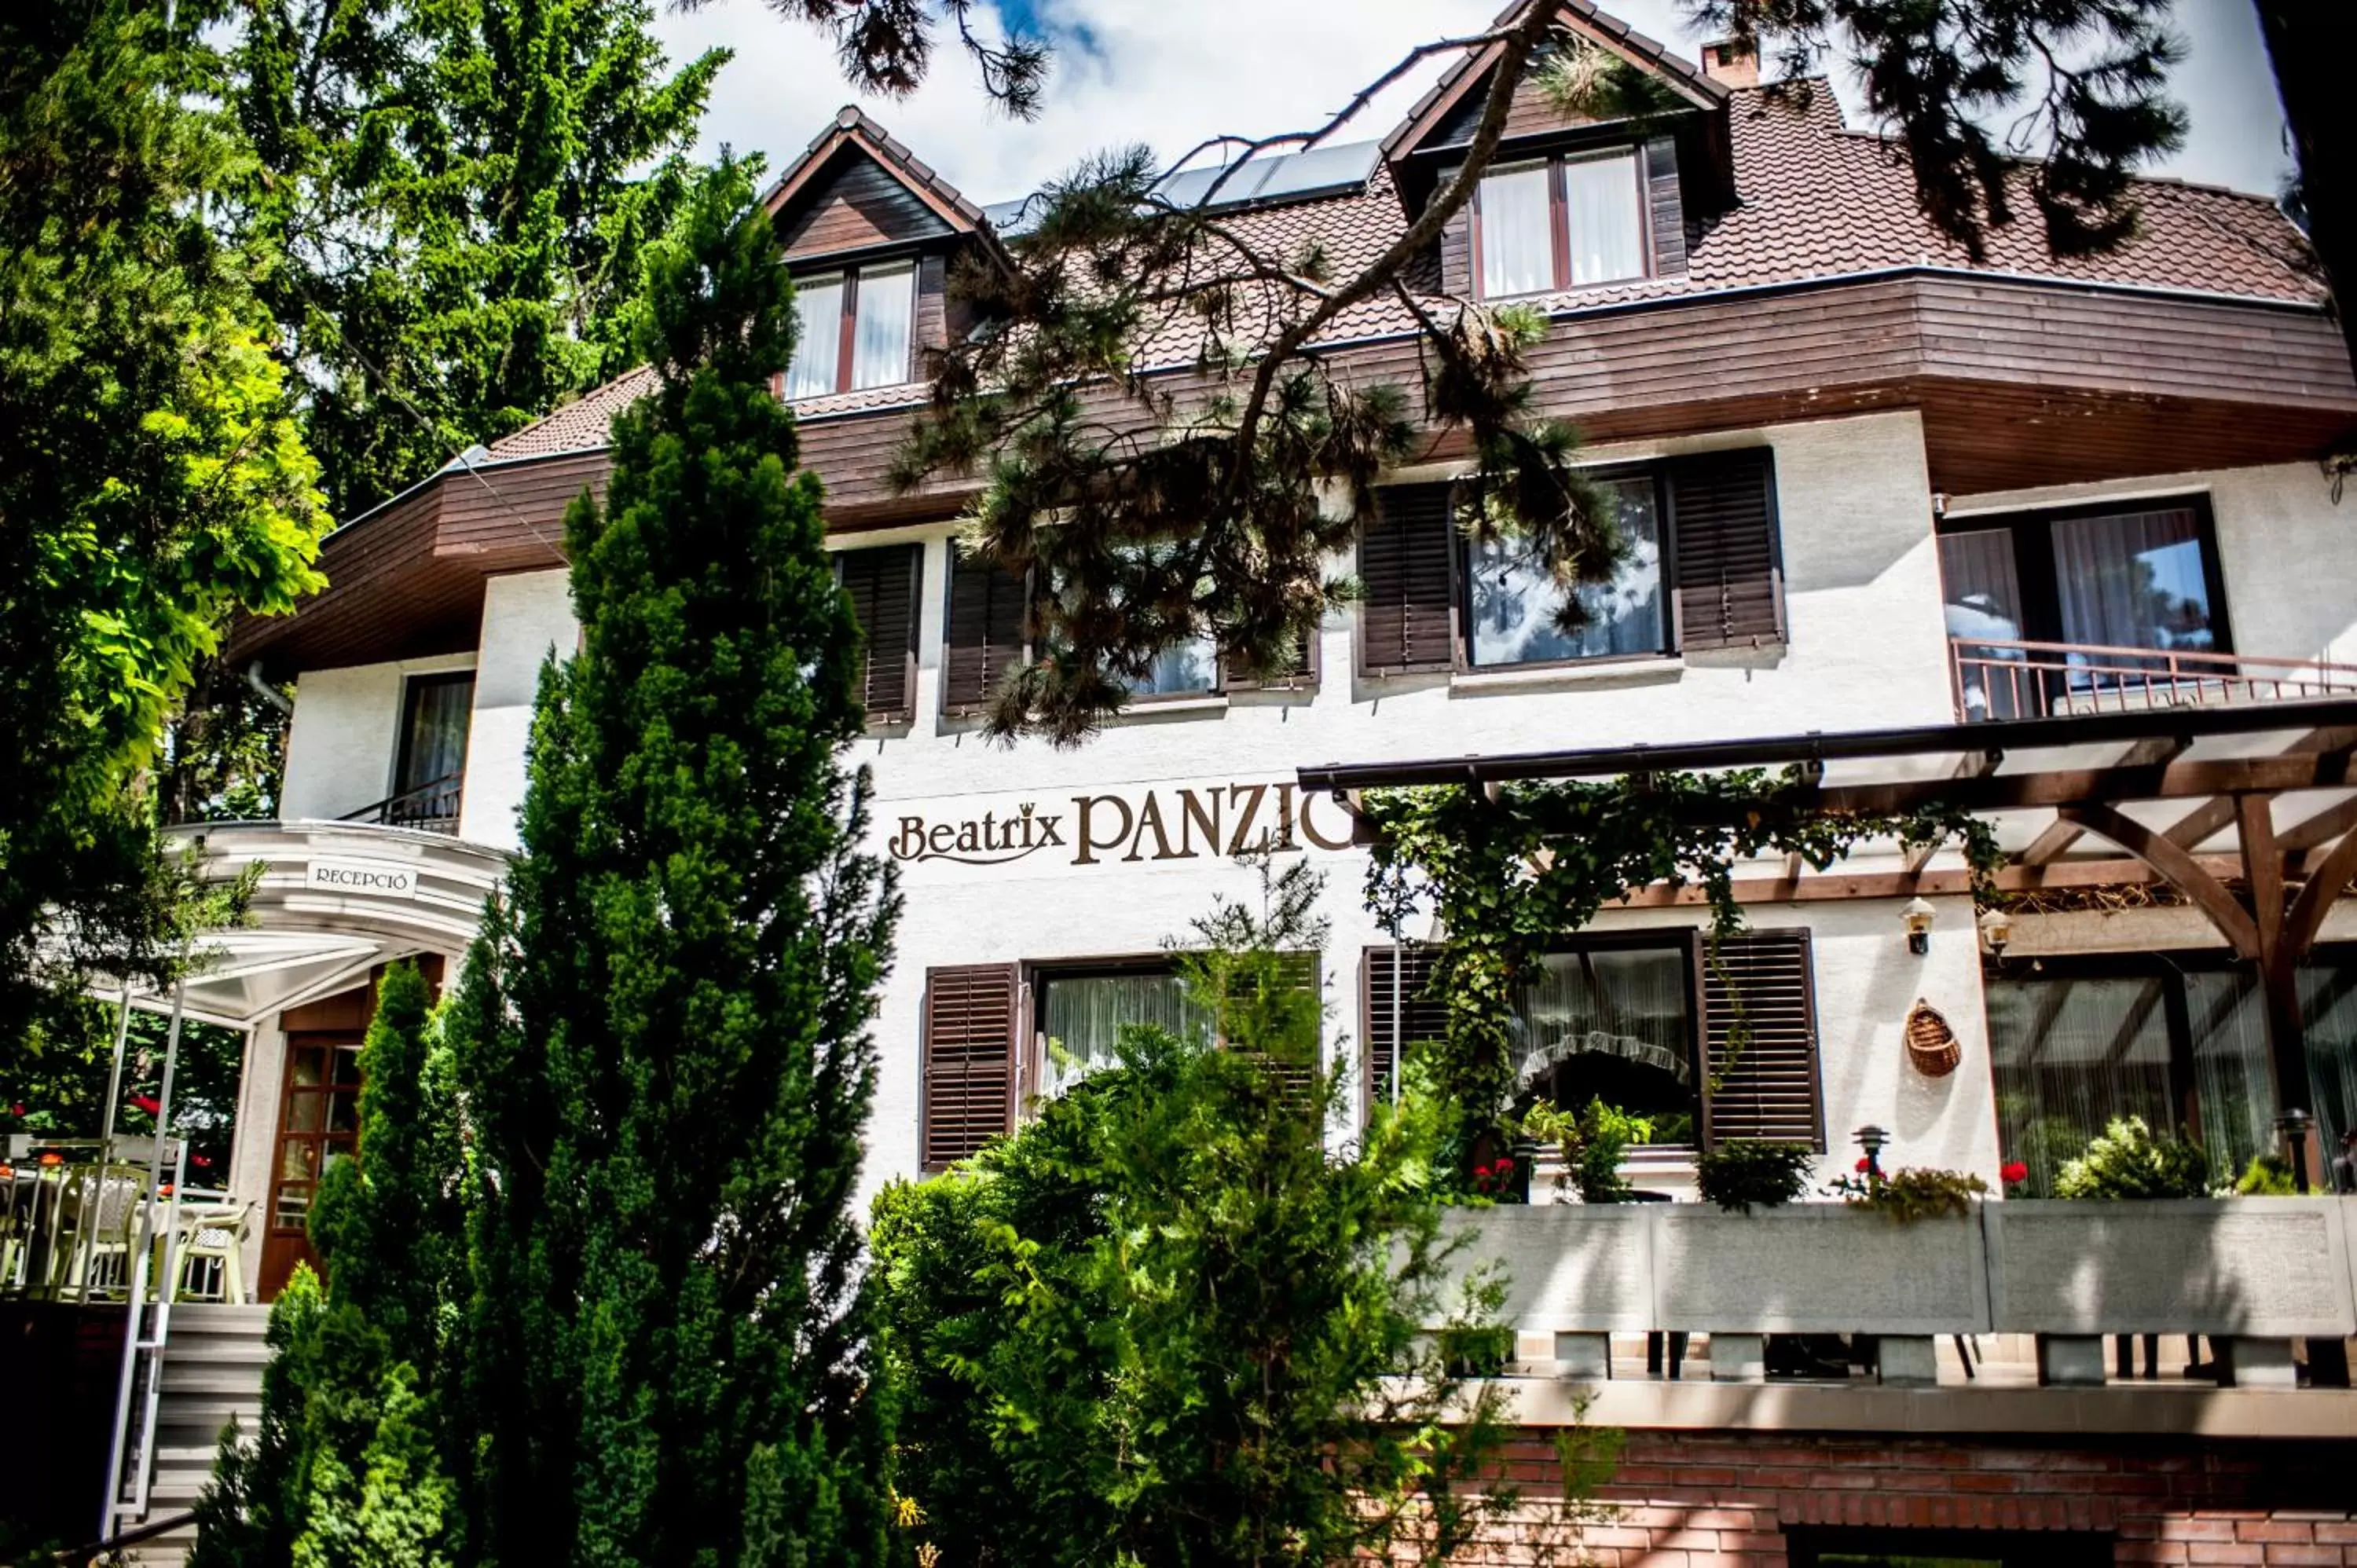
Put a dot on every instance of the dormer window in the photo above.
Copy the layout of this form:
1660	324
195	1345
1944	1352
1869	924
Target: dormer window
857	327
1560	223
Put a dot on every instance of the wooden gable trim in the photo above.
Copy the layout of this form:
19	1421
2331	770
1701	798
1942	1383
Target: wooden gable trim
854	131
1580	17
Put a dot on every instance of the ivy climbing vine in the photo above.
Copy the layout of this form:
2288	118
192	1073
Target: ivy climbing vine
1511	873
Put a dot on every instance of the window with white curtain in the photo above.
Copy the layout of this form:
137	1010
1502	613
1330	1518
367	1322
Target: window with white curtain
1606	220
1514	608
818	337
1561	223
1517	231
1612	1021
1082	1018
2180	1040
886	316
881	302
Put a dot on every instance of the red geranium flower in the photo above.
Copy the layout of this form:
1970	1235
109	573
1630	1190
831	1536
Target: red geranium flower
1505	1166
1864	1165
2013	1171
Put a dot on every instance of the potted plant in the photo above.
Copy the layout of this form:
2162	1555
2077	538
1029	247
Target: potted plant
2130	1161
1739	1176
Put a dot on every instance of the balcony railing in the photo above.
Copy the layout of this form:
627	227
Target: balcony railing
2065	1287
2046	680
433	808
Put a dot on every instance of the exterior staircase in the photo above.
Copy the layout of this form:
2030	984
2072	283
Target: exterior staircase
212	1376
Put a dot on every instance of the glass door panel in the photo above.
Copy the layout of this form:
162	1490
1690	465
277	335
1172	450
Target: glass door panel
1981	590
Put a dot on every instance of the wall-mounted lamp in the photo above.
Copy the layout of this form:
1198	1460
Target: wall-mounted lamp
1918	916
1873	1140
1996	930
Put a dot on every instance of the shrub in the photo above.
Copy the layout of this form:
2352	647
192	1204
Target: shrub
1736	1176
1906	1196
1592	1142
2267	1176
2130	1161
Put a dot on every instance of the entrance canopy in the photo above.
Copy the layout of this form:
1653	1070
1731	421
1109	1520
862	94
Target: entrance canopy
334	901
2248	811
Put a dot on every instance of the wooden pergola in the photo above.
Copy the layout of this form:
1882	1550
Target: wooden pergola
2249	811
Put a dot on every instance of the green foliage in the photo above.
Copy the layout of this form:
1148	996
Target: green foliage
1163	1322
152	482
2079	84
1903	1196
1906	1196
2130	1161
1593	1142
662	1038
1510	875
351	1460
1738	1176
452	198
885	47
2267	1176
54	1085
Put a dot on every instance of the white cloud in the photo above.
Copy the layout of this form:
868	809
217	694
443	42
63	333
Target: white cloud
1169	72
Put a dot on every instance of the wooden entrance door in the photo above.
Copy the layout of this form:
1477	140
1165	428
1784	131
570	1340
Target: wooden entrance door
318	1124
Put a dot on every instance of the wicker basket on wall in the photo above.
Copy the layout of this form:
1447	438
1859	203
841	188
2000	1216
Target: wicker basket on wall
1931	1044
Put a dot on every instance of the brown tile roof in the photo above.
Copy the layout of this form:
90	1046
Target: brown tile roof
1816	200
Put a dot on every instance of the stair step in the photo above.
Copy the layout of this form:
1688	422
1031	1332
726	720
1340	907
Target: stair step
207	1413
240	1351
198	1317
211	1378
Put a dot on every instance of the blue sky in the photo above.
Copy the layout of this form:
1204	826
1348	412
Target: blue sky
1167	72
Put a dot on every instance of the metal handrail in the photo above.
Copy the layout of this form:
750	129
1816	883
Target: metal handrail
433	806
2018	679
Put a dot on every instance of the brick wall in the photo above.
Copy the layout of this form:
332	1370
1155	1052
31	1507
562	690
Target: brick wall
1723	1499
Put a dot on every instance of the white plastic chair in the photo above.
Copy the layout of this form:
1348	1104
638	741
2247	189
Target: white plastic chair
213	1238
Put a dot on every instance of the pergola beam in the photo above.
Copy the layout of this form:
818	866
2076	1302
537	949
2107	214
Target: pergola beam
2047	846
2183	872
2068	787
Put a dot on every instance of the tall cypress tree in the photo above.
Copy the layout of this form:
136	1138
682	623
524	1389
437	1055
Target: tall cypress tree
662	1043
349	1463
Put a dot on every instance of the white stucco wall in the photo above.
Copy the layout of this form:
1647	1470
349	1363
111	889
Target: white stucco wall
340	742
526	618
2287	552
261	1084
1867	648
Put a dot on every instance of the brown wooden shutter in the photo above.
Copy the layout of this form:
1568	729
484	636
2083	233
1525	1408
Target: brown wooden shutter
969	1059
1303	969
1665	211
933	329
1422	1017
1407	619
984	636
1455	246
1767	1083
1723	528
883	585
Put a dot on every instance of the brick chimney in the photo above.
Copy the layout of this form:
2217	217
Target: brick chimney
1732	62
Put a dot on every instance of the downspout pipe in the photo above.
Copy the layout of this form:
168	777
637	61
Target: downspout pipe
270	694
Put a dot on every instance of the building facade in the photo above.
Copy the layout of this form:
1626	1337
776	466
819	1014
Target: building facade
1871	483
